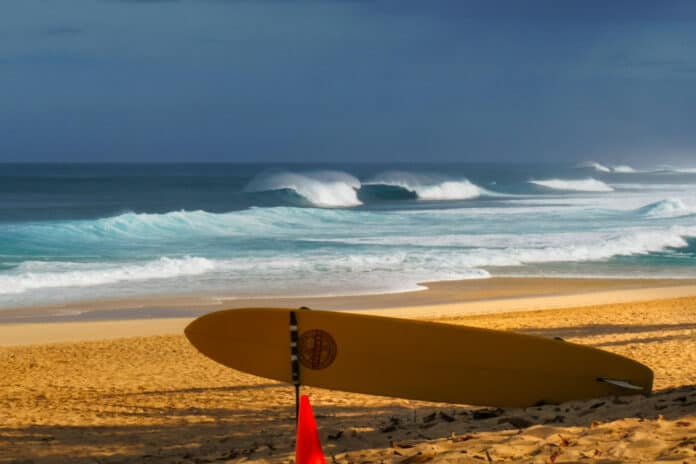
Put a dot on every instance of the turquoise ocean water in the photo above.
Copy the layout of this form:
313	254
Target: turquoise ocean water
80	232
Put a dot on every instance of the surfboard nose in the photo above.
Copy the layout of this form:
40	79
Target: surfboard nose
195	331
203	333
189	329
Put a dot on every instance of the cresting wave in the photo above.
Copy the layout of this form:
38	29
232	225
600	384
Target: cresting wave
596	166
429	187
599	167
574	185
289	222
335	189
134	228
626	169
667	209
329	189
37	274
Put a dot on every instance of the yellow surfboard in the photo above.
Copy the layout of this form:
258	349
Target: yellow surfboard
413	359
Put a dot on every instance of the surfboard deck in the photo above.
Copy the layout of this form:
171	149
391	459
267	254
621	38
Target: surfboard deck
414	359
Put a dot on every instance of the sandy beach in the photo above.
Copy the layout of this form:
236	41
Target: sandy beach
134	390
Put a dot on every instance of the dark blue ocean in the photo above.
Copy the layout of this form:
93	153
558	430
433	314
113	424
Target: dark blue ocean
80	232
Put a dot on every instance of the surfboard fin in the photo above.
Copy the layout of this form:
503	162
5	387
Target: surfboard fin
620	383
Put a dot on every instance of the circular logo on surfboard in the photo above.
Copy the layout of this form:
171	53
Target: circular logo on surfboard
317	349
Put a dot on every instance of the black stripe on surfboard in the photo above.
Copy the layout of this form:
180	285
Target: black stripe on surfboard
294	361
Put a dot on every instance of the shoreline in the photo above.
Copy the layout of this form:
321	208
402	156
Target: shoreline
440	300
432	293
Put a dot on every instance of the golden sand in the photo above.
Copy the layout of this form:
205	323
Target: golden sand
153	398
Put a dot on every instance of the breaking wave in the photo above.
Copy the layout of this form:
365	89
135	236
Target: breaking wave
618	169
596	166
624	169
146	228
581	185
315	250
326	189
433	259
665	209
431	188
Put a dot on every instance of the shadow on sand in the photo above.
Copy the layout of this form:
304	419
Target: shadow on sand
604	329
206	435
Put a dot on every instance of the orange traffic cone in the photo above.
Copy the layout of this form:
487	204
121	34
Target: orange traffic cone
307	447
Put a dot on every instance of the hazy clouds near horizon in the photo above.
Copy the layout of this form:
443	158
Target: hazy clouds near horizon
347	81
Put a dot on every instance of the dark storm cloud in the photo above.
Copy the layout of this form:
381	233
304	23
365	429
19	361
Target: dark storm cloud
347	80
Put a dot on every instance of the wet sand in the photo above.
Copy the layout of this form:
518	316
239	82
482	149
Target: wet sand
501	294
151	397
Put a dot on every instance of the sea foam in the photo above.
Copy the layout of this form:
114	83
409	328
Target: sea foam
32	275
482	250
677	170
579	185
624	169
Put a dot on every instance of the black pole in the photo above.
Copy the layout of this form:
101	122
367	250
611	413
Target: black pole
297	403
294	362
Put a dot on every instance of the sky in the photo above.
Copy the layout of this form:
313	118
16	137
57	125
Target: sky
344	81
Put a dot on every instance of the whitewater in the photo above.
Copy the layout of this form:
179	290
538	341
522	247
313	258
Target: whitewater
84	232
